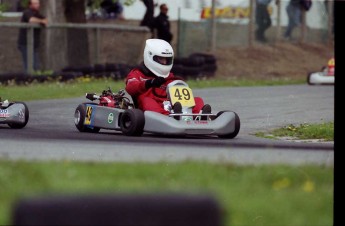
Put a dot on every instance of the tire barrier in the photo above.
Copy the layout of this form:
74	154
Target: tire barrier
195	66
116	71
108	70
22	78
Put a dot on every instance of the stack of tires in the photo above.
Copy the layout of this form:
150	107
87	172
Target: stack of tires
23	78
10	78
195	66
115	71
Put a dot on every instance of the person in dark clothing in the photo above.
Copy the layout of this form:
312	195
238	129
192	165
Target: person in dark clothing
293	10
263	19
31	15
112	9
148	19
162	24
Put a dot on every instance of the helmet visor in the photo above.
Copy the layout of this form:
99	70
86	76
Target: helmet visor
163	60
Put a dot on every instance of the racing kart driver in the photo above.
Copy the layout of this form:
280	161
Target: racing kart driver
147	83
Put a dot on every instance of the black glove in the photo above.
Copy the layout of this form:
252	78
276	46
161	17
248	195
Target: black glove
156	82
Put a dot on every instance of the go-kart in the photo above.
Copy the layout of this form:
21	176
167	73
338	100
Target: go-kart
14	114
323	77
116	111
91	117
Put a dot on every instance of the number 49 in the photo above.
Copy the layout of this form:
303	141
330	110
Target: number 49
185	94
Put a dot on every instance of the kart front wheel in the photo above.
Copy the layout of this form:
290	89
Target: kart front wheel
25	114
79	119
132	122
237	127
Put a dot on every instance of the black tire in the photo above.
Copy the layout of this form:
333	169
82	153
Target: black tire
132	122
195	61
79	118
87	70
39	78
67	76
308	79
124	69
21	125
111	67
209	58
4	78
22	78
212	68
69	69
190	71
99	68
179	60
237	126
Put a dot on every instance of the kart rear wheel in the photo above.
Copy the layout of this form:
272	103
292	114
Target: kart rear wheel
79	118
20	125
237	126
309	79
132	122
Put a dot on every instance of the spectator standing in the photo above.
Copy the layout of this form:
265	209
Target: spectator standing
293	10
162	24
263	19
149	15
31	15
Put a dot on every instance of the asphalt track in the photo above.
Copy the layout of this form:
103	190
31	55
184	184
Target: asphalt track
51	134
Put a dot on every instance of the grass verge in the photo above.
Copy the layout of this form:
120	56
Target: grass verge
250	195
305	131
78	87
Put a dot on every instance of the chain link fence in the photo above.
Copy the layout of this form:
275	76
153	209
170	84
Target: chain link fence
235	26
115	44
106	44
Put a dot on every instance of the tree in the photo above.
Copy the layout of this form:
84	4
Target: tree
77	39
55	40
65	46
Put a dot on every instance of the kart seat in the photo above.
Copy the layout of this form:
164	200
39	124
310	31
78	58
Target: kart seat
135	101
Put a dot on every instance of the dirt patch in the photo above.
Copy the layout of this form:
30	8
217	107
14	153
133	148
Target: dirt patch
294	139
267	61
279	60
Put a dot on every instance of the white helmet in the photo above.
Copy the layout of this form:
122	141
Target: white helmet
158	57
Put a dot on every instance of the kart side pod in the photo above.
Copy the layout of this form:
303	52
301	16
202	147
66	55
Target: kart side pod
14	114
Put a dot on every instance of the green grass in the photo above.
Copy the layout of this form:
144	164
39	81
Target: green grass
58	90
236	82
323	131
250	195
77	88
260	195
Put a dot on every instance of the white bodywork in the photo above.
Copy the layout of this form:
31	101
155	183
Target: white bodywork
320	78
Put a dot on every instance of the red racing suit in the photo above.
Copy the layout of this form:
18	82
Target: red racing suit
151	99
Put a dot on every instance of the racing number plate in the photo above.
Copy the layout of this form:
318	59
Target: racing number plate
88	115
181	94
